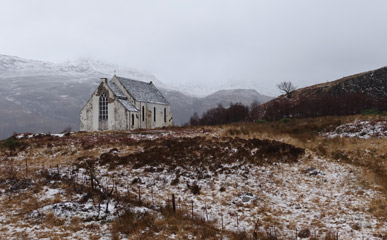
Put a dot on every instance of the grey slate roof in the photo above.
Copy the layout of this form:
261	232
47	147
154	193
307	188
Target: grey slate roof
143	91
117	92
121	97
128	105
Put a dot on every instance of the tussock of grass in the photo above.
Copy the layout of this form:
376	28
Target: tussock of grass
378	208
53	221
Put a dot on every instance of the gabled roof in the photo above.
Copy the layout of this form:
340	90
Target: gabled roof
142	91
121	97
128	105
115	89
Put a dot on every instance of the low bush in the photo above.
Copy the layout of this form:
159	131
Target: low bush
285	120
370	112
130	222
10	143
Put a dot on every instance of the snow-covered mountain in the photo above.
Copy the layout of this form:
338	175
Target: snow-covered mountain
81	69
38	96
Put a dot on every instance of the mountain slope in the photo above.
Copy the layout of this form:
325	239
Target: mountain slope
39	96
349	95
225	97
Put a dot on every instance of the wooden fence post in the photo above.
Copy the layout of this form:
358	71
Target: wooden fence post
255	234
205	205
99	208
237	220
153	202
181	209
222	221
173	203
26	168
275	233
139	194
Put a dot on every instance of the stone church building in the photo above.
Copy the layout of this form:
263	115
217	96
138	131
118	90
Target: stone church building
125	104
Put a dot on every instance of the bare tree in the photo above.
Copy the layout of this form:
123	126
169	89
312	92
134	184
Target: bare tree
286	87
254	110
194	120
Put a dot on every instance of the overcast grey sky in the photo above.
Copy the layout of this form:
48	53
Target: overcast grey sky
210	42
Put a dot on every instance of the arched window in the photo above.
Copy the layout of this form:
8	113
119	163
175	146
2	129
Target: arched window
143	113
154	114
165	114
103	107
132	119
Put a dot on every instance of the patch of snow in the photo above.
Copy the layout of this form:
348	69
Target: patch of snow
58	135
360	129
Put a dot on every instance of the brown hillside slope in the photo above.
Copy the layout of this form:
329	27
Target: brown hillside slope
348	95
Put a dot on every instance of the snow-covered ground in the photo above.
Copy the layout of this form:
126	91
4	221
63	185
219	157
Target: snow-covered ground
313	194
360	129
282	196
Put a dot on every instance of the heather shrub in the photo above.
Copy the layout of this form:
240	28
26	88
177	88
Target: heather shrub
370	112
10	143
285	120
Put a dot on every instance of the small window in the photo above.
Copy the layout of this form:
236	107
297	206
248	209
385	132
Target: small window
132	119
165	114
103	107
154	114
143	113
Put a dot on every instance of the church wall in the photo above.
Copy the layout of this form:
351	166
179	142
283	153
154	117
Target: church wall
149	115
120	117
111	116
159	115
142	121
95	112
90	112
87	117
136	118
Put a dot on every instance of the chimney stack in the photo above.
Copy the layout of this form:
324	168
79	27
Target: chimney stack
104	80
150	82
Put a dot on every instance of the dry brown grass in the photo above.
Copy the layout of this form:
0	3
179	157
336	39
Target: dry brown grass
369	154
53	221
76	224
147	225
378	208
300	133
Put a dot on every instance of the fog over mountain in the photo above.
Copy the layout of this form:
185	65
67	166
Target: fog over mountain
38	96
201	45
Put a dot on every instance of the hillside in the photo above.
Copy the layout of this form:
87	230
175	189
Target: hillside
184	106
39	96
349	95
225	97
228	181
